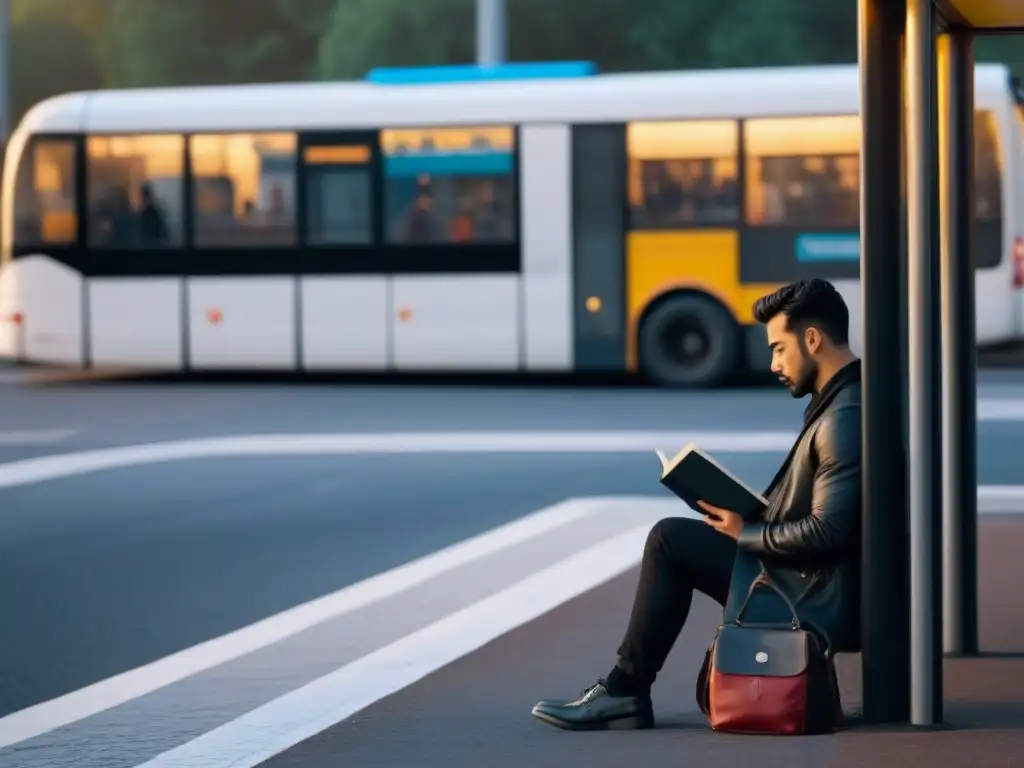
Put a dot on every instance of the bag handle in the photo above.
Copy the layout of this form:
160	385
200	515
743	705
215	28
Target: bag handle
764	579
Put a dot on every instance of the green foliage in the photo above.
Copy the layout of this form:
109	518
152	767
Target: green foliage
41	77
362	34
125	43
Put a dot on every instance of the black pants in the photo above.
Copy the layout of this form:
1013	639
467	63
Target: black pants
680	555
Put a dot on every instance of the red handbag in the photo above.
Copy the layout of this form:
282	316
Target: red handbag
769	678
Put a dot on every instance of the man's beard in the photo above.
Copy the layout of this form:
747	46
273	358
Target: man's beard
804	384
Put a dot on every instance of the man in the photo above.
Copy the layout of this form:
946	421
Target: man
808	538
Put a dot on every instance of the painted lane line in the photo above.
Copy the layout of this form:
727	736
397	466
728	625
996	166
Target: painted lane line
77	705
313	708
997	499
26	437
1001	499
39	470
1000	409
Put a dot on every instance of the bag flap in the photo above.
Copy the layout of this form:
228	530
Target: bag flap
761	652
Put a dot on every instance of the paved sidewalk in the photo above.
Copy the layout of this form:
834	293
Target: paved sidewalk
476	712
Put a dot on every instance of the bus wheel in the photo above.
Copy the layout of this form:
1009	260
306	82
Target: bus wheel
688	340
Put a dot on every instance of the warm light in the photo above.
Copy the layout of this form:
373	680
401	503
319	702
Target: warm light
992	14
159	155
593	304
237	156
214	316
349	155
802	136
404	315
701	139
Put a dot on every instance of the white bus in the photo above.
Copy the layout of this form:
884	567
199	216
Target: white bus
544	218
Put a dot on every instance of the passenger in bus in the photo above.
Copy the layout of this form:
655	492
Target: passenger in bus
152	227
420	224
461	228
114	219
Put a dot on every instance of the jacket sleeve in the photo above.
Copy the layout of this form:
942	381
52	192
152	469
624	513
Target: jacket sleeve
835	503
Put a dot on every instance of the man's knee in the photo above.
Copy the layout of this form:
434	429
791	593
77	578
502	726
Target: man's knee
665	531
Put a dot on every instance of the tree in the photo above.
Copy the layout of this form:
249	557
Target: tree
196	42
616	34
363	34
39	77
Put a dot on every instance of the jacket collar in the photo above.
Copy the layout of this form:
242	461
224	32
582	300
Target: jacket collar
820	401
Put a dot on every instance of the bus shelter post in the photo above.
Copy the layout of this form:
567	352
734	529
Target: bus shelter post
924	340
959	353
885	628
491	37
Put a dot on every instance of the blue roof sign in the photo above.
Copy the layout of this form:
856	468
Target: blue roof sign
456	73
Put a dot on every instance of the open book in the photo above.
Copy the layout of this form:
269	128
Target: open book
693	475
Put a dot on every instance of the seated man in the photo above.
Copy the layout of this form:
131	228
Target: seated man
808	538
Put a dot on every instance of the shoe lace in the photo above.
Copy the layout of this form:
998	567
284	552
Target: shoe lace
591	689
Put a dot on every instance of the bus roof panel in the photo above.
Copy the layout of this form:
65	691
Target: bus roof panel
601	98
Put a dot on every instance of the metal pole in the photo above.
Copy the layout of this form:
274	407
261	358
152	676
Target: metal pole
5	72
490	32
925	397
885	623
959	347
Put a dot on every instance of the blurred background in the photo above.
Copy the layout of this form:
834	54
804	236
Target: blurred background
125	43
258	229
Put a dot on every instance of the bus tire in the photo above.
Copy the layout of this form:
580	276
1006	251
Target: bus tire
688	340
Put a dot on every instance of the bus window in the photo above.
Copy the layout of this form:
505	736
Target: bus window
45	210
135	191
243	190
450	185
339	195
683	174
803	171
988	198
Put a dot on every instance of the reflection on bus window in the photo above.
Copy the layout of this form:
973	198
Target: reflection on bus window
803	171
988	198
338	195
243	190
683	174
135	191
450	185
45	211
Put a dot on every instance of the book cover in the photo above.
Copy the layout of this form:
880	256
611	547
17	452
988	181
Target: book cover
693	475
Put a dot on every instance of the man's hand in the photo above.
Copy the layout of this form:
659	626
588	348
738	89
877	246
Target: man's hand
722	520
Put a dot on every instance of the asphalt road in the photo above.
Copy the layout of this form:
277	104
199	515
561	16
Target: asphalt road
110	570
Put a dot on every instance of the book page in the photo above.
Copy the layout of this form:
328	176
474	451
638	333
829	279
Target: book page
667	464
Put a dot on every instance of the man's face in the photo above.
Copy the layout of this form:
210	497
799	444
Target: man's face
791	360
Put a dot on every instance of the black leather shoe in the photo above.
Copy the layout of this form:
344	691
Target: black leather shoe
595	710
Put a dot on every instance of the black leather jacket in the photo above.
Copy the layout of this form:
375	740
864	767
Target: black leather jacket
808	540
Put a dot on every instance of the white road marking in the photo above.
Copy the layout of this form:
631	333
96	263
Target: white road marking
307	711
1001	499
1000	409
27	437
38	470
129	685
994	499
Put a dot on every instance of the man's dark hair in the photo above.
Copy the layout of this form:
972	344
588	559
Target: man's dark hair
807	303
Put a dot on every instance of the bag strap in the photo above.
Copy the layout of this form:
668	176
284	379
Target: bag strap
763	579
